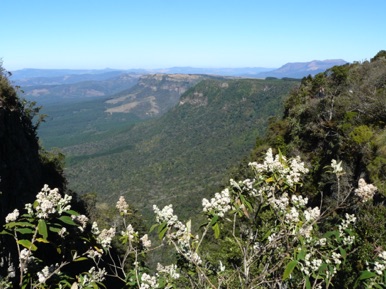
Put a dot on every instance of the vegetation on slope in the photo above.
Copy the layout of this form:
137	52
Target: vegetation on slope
341	114
182	155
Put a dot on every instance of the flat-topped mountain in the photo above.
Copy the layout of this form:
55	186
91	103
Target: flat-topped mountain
302	69
153	95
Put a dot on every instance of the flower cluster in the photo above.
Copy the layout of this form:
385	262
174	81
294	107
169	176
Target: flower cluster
337	167
218	205
380	265
148	282
290	173
365	191
12	217
94	275
177	233
347	238
81	220
25	257
146	242
105	238
166	215
170	271
320	252
122	206
129	233
49	202
44	274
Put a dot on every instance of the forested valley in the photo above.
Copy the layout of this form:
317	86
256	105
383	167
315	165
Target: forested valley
299	167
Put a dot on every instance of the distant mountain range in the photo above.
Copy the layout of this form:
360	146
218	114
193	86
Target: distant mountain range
301	69
31	76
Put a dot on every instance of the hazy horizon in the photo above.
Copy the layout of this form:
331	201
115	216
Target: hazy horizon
152	34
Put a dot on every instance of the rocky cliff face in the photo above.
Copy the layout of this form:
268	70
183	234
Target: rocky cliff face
153	95
23	172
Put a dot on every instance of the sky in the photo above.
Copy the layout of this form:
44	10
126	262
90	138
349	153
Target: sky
125	34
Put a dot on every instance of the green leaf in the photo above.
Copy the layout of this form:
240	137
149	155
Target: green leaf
301	254
214	220
67	220
42	240
343	252
153	227
162	233
216	229
322	268
27	244
72	212
288	270
331	233
24	230
80	259
54	229
366	275
162	226
308	283
42	228
19	224
5	233
246	203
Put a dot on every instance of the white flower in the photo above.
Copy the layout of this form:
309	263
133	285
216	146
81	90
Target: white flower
42	275
170	270
299	201
382	255
311	214
91	253
378	268
82	220
221	267
145	241
218	205
322	242
62	232
50	202
25	255
280	203
337	167
12	217
336	257
95	229
292	216
365	191
122	206
105	238
148	282
129	232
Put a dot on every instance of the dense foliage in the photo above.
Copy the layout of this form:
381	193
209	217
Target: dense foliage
341	114
184	153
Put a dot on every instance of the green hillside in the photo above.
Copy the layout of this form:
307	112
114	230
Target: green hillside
83	120
184	154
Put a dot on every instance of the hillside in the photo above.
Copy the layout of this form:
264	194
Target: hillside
76	90
153	95
182	155
88	119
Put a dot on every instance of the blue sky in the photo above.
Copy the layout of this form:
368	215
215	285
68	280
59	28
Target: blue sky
202	33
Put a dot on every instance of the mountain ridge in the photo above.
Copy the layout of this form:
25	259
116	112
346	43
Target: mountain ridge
25	75
302	69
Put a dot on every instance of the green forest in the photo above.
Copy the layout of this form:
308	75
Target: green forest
244	183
